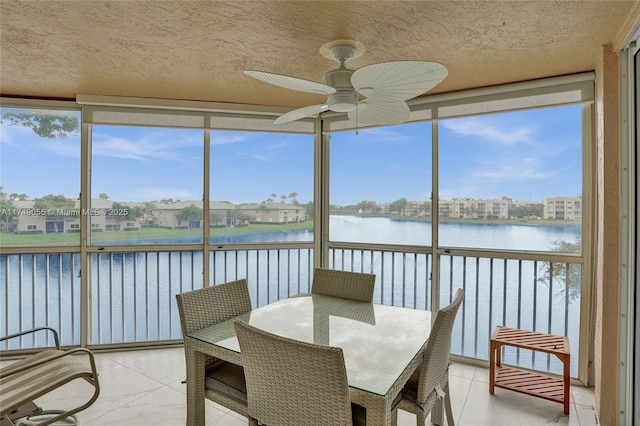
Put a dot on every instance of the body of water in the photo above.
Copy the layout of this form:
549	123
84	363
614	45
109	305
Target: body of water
383	230
451	234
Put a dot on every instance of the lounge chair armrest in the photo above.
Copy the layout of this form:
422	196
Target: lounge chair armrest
54	354
22	333
32	377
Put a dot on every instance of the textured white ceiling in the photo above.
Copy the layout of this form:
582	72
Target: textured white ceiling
198	50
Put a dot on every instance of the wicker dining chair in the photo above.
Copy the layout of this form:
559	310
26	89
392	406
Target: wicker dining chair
429	385
348	285
294	383
224	381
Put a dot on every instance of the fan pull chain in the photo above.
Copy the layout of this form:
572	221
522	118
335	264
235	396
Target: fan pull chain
357	101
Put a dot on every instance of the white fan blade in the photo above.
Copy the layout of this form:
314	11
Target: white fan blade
398	81
292	82
382	113
299	113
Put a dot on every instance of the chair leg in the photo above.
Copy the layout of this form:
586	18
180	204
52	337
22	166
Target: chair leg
436	413
447	406
421	418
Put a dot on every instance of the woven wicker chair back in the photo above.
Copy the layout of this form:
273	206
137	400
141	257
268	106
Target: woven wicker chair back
205	307
348	285
434	371
293	383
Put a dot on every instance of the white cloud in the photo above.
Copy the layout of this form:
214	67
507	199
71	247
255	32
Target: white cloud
152	146
506	173
159	193
13	134
383	134
60	147
23	137
222	138
266	152
396	167
258	156
480	127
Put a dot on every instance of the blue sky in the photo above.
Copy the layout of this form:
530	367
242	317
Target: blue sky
525	155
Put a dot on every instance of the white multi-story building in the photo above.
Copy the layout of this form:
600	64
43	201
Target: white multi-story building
563	208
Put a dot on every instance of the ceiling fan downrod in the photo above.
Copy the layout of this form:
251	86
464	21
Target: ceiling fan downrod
345	99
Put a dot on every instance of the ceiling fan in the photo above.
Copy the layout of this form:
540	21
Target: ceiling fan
383	87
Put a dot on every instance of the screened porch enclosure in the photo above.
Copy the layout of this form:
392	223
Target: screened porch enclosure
111	280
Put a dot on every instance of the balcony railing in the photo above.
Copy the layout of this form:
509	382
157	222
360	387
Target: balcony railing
132	294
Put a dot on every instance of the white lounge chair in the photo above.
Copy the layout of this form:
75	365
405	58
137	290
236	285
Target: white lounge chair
34	376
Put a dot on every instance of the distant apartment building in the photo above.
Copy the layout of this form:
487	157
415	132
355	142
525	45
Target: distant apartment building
29	219
421	209
105	215
563	208
469	208
374	208
167	215
270	212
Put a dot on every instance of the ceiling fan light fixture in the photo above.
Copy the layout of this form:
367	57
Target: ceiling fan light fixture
343	101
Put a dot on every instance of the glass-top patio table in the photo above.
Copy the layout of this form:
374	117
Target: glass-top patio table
382	346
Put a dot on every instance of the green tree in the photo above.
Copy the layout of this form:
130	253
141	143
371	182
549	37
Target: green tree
365	207
471	211
59	209
6	210
124	212
188	214
46	124
567	275
241	217
103	196
147	209
294	197
396	207
310	213
215	217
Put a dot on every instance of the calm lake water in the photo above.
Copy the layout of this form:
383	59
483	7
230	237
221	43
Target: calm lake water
382	230
451	234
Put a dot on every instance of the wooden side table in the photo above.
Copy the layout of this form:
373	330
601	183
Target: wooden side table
536	384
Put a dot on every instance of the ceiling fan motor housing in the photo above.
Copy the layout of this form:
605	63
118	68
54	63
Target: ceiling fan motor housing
345	98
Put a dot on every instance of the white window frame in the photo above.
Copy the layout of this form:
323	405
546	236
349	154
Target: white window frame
629	353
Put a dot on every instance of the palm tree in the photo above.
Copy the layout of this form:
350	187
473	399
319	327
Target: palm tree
103	196
293	196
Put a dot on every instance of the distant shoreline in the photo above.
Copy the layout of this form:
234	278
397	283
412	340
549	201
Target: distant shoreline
515	221
72	238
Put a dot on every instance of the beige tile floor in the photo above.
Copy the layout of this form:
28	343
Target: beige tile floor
144	388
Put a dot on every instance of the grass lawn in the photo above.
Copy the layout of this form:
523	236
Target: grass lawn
73	239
